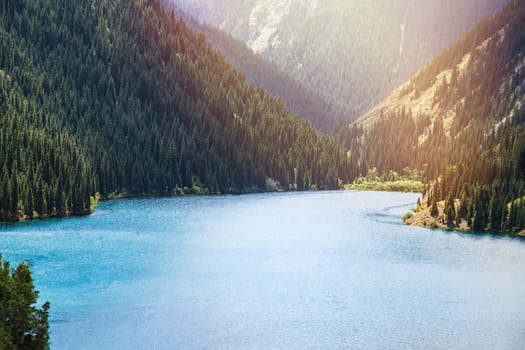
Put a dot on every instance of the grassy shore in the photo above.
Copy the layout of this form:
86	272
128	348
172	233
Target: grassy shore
404	185
409	181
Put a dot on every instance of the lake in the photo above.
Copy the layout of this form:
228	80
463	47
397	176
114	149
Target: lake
316	270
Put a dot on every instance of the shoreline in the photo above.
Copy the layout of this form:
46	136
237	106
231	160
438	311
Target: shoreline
195	191
95	200
416	217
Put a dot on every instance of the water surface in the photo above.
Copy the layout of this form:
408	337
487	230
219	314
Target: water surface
324	270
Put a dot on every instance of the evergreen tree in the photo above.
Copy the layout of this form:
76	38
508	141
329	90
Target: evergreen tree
434	211
22	325
450	211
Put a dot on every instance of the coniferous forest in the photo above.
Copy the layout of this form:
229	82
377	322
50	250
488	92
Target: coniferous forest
120	97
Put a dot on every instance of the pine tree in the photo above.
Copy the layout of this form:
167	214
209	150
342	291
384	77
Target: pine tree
22	325
450	211
434	208
512	220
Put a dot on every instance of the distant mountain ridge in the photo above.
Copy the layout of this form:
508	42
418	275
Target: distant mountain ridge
353	52
258	70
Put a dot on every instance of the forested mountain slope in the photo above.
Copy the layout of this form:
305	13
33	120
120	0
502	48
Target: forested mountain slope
120	97
461	121
355	52
258	70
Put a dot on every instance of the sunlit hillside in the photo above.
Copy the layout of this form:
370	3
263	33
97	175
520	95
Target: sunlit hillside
460	121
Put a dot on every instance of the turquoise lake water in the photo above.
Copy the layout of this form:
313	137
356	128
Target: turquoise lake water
320	270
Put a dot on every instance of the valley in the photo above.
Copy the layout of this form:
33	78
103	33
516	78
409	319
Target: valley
352	52
200	149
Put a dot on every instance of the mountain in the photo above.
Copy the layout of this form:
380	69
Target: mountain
258	70
354	52
121	98
461	122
